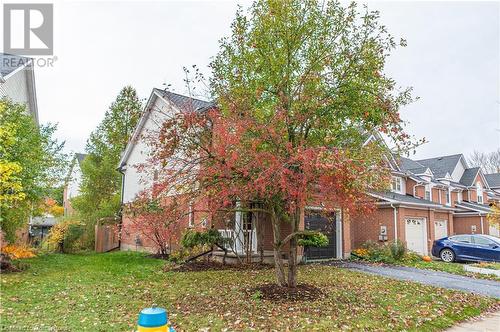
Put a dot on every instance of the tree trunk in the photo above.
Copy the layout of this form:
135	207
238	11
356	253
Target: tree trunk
278	263
260	237
292	257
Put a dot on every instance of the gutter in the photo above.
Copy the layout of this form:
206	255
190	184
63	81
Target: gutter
395	223
482	224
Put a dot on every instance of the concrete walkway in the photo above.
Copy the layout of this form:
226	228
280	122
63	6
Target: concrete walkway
489	323
434	278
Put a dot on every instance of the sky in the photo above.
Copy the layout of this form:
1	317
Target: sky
452	61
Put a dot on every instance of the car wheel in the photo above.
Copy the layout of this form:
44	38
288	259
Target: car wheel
447	255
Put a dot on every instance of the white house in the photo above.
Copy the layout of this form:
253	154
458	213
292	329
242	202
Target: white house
17	81
73	182
160	104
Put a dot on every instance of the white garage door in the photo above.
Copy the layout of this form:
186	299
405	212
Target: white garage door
494	230
415	235
440	229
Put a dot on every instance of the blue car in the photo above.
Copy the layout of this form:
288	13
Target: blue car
467	247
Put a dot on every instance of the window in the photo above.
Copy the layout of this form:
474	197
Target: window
461	238
396	184
483	241
448	198
428	195
479	192
459	197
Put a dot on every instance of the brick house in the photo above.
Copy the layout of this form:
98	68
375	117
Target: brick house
251	232
429	199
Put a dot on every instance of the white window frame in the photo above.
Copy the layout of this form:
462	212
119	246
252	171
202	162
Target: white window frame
479	192
459	196
396	184
448	197
428	189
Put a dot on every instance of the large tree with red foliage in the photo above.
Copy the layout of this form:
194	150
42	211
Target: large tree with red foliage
299	86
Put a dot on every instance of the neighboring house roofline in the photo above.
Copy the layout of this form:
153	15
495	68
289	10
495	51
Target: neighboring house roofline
474	207
156	94
27	65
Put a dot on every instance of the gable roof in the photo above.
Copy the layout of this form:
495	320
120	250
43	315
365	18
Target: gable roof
9	63
469	176
407	164
441	165
179	101
184	102
493	180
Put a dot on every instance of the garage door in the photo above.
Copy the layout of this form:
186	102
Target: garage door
325	225
494	230
440	229
415	235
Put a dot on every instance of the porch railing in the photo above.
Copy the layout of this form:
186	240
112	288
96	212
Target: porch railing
241	240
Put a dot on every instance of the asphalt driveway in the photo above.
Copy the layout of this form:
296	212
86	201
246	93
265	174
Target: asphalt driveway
428	277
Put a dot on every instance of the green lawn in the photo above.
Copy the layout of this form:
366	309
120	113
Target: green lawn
105	292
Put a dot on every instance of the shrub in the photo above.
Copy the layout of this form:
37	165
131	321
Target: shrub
192	239
314	239
65	236
398	250
17	252
385	253
180	255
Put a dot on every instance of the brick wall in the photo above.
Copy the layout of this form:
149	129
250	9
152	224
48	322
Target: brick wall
367	228
463	224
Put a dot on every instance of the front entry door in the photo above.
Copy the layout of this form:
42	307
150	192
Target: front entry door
325	225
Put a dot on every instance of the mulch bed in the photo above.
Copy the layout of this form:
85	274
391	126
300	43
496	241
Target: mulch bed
202	265
6	265
275	293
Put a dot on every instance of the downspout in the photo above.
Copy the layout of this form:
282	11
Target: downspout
482	227
120	224
395	223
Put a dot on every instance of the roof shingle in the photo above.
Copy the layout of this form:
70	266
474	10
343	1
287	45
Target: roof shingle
185	102
493	180
469	176
441	165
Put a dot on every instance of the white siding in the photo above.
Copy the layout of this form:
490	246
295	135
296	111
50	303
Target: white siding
135	181
16	88
75	181
458	171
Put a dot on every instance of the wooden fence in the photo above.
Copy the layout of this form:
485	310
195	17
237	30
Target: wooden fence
106	238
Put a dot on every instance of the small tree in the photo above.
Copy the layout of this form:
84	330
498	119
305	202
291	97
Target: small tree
157	219
489	162
101	182
494	216
299	89
31	163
